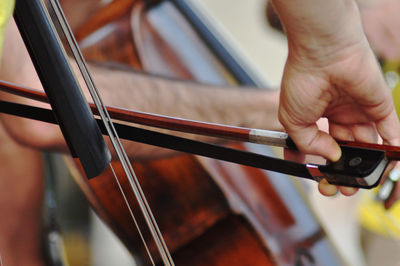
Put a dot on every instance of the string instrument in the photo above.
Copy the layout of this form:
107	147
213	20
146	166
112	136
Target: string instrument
209	212
204	208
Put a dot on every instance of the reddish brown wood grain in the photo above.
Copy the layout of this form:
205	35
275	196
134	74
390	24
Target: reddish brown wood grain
210	213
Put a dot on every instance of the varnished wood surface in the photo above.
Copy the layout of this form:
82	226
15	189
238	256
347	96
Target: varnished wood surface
235	217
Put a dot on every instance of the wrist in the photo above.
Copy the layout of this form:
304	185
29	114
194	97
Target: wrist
317	30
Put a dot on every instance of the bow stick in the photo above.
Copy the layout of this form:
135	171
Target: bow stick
364	171
361	165
253	135
357	167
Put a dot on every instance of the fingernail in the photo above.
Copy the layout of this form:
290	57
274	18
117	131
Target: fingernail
348	191
334	157
338	153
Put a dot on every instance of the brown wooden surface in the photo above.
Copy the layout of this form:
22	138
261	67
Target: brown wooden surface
210	249
101	42
210	213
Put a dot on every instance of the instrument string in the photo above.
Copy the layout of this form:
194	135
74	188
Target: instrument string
132	215
116	143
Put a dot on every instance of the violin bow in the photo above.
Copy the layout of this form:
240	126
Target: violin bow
357	167
252	135
361	164
70	108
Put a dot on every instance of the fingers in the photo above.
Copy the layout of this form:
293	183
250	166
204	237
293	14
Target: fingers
389	129
362	108
348	191
313	141
365	133
327	189
341	132
382	111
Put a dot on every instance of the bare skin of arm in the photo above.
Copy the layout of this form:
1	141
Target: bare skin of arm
233	106
21	178
21	181
22	138
250	108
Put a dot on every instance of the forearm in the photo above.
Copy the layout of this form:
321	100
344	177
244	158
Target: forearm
245	107
248	107
138	91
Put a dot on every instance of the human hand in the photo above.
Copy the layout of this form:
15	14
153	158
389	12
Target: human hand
345	86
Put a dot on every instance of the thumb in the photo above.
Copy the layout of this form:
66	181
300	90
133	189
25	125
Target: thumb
311	140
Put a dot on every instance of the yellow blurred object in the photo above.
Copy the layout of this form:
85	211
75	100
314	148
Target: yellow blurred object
375	218
6	9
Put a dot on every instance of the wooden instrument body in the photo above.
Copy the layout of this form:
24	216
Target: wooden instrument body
210	212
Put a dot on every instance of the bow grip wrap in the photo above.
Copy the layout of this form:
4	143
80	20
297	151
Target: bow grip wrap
357	167
71	110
